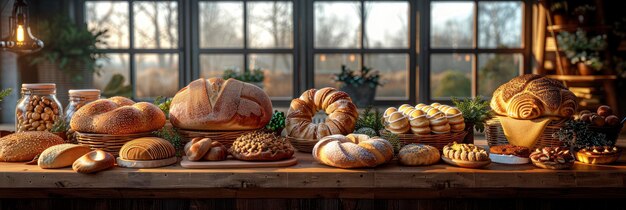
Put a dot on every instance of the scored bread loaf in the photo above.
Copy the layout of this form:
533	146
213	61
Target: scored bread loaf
352	151
217	104
62	155
532	96
147	148
24	146
117	115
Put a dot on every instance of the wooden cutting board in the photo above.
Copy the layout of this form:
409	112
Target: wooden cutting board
233	163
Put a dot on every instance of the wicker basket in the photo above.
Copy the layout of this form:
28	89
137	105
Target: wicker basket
611	132
302	145
495	135
435	140
225	137
106	142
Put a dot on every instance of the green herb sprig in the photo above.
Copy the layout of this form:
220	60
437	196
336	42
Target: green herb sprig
475	110
164	104
171	134
366	77
5	93
254	75
576	134
370	118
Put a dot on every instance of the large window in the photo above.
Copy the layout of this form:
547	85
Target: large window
424	50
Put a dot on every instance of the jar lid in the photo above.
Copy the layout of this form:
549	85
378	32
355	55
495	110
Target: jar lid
39	86
84	92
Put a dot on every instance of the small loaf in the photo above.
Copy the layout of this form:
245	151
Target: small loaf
418	155
205	149
117	115
352	151
147	148
62	155
24	146
94	161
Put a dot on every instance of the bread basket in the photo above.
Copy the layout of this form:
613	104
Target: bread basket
107	142
302	145
611	132
495	134
225	137
436	140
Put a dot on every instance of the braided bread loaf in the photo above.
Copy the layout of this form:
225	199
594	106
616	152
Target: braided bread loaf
352	151
531	96
117	115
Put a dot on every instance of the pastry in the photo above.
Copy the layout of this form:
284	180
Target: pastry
397	123
352	151
205	149
419	123
117	115
509	154
388	112
465	155
418	155
552	158
532	96
598	154
147	148
439	124
419	106
261	146
24	146
94	161
217	104
404	107
342	114
62	155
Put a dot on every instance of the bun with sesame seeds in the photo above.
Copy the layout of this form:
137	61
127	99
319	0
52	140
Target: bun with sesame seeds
24	146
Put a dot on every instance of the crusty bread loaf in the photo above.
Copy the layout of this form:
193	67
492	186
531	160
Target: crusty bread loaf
418	155
531	96
352	151
217	104
62	155
342	114
147	148
94	161
117	115
24	146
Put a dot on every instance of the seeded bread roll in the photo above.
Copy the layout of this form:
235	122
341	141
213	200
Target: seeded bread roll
24	146
62	155
418	155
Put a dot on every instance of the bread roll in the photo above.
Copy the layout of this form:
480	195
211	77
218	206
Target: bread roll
217	104
419	122
205	149
117	115
532	96
352	151
24	146
418	155
397	123
94	161
147	148
62	155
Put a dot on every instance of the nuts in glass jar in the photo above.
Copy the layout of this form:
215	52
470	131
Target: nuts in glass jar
41	113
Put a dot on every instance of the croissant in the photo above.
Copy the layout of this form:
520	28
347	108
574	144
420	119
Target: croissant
532	96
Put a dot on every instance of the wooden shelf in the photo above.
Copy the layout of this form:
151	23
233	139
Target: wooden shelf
574	27
579	78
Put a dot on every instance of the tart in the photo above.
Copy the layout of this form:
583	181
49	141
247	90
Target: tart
556	158
261	146
598	154
509	154
465	155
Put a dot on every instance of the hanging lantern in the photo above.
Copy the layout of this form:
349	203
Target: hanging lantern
20	39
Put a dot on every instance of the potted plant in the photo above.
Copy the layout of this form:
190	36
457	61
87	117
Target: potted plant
476	112
254	76
559	12
69	58
583	51
361	87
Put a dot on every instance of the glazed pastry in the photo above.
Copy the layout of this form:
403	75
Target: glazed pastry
419	106
397	123
418	155
205	149
62	155
466	152
598	154
261	146
552	158
94	161
509	154
352	151
419	123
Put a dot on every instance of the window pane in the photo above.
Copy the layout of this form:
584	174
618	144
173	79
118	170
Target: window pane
452	24
214	65
278	69
500	24
156	24
114	76
386	24
327	65
337	24
450	75
221	24
112	16
157	75
394	74
496	69
270	24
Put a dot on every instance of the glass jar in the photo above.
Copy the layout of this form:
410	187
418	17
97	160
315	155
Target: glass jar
78	99
38	109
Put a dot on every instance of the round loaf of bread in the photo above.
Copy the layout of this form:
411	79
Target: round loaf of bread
352	151
25	146
418	155
117	115
94	161
62	155
147	148
531	96
216	104
342	114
